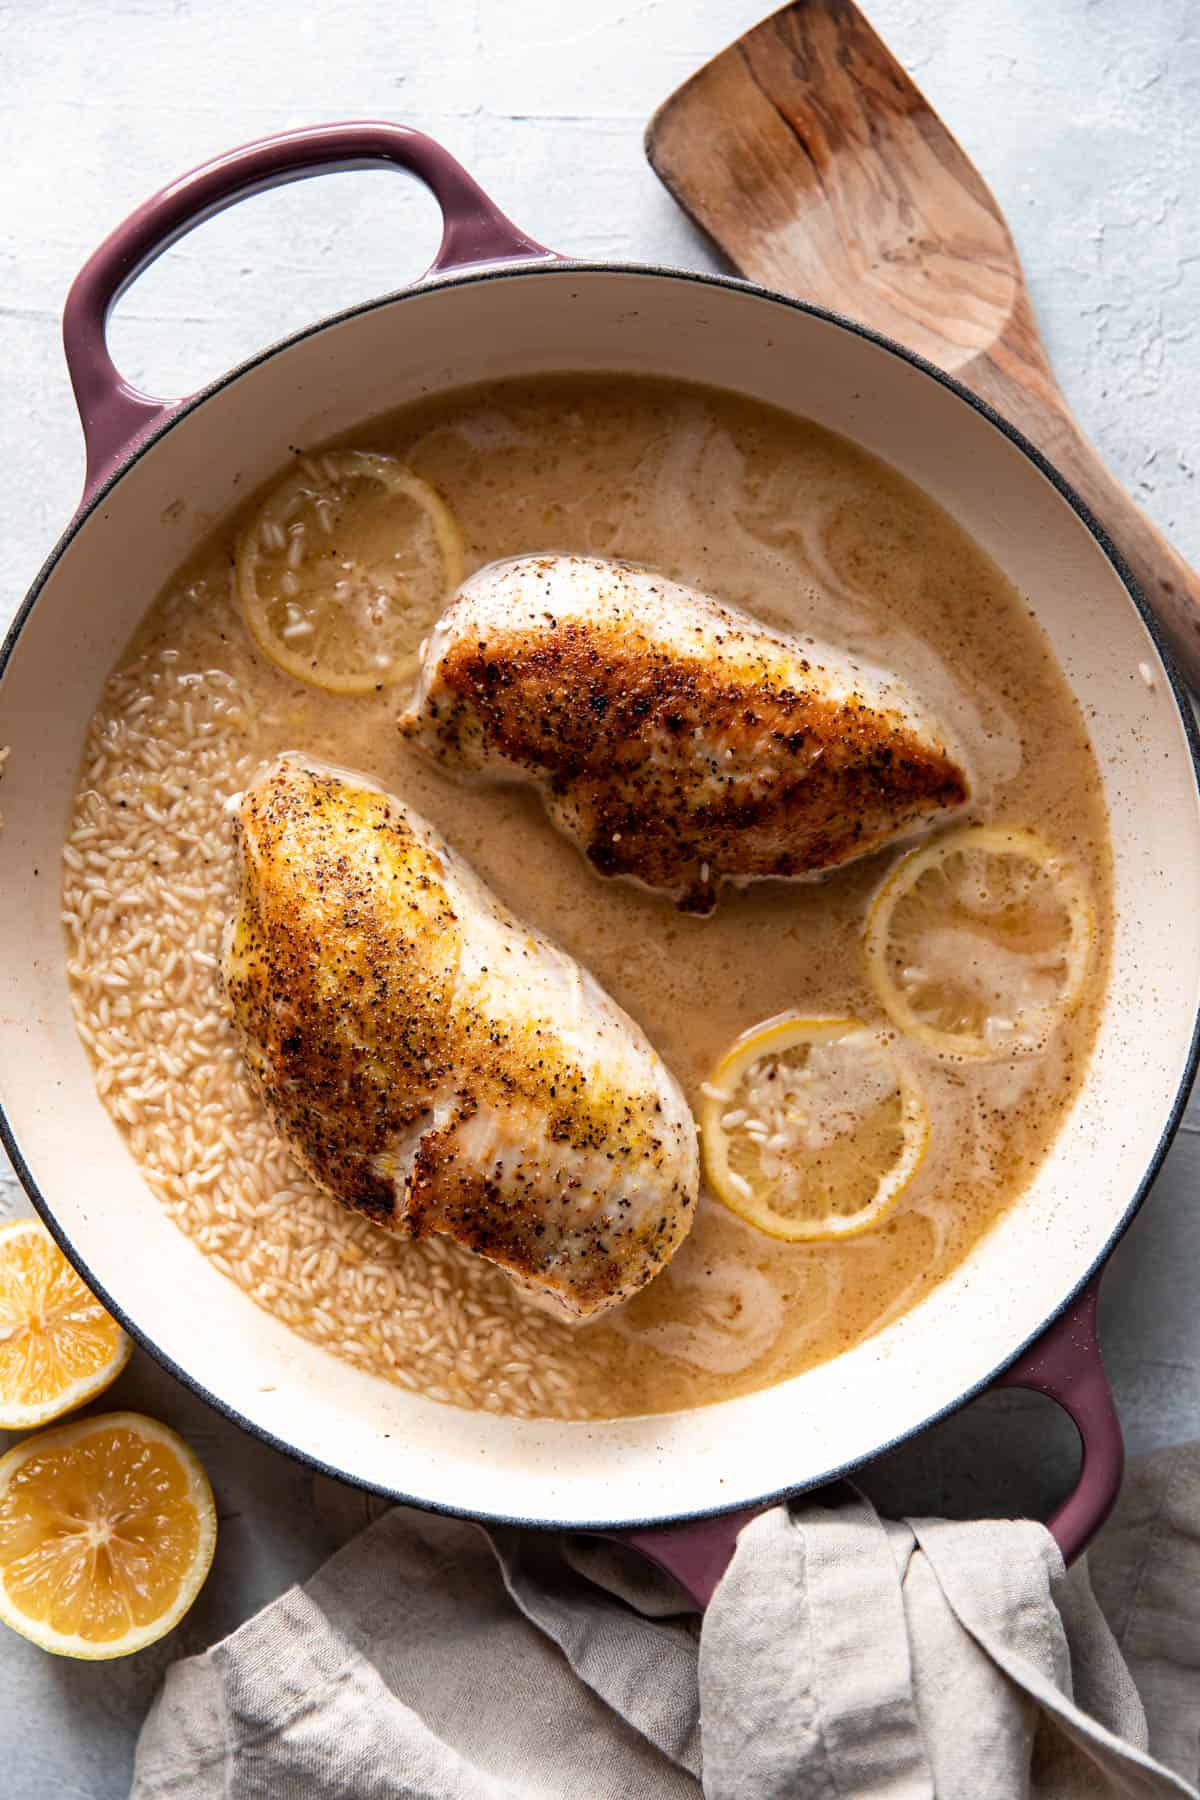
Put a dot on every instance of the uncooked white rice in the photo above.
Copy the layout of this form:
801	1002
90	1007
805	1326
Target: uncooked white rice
147	885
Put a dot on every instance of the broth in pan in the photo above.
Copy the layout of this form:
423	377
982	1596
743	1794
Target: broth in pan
815	539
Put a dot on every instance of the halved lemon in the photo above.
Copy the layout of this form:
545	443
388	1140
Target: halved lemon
107	1531
58	1346
812	1128
978	944
345	567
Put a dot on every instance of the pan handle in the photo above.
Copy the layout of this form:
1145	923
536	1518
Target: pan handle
115	416
1065	1364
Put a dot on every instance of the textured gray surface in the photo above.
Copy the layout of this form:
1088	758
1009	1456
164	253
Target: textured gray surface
1085	118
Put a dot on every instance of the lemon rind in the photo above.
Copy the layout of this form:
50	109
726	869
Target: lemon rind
909	870
776	1032
396	479
70	1644
29	1415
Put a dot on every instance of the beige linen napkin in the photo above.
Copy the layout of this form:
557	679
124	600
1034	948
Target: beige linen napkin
844	1657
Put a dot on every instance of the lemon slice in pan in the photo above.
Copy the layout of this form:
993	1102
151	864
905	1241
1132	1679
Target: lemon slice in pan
812	1128
977	944
58	1346
107	1530
345	567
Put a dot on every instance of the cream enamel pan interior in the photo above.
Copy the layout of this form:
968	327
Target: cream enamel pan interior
518	320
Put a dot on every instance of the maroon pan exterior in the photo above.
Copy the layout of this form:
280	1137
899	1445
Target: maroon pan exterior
1065	1364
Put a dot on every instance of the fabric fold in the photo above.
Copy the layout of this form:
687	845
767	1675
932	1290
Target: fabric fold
810	1622
843	1657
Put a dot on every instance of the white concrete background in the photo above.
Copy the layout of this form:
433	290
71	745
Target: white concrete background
1084	116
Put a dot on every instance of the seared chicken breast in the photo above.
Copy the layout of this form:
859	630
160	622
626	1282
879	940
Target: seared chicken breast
678	741
437	1064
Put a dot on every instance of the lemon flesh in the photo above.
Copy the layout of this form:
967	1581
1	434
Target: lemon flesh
58	1346
345	567
978	944
107	1531
812	1128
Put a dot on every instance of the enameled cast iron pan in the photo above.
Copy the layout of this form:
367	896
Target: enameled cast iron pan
1021	1309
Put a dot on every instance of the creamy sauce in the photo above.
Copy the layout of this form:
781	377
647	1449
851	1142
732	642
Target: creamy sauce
814	537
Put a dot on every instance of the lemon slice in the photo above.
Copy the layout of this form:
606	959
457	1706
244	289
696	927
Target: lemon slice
978	944
345	567
58	1346
107	1531
812	1128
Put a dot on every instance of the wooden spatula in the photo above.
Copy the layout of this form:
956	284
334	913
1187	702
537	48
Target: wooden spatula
819	168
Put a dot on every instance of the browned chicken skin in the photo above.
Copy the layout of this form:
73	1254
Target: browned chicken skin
436	1064
678	741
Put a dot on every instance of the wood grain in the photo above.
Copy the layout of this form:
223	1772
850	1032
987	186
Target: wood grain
818	167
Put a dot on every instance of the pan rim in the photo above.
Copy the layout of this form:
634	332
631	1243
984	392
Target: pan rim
573	269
